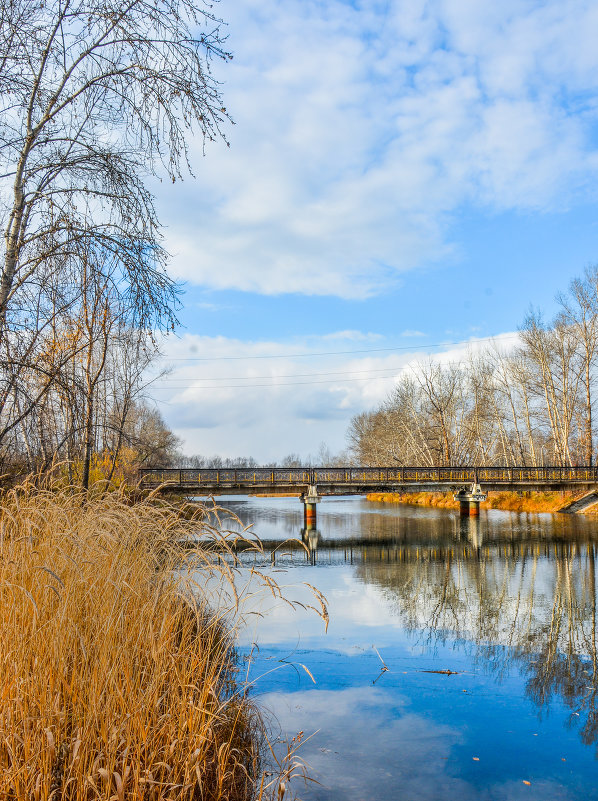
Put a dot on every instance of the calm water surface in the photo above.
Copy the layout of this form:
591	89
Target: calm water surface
507	603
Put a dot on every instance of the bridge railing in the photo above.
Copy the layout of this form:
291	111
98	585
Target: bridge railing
364	476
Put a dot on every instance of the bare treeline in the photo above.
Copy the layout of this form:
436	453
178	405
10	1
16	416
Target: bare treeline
96	96
532	405
323	457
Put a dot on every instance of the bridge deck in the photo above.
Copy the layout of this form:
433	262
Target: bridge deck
360	480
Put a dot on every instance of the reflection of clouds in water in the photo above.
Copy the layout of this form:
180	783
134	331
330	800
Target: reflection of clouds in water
367	743
509	603
356	610
369	747
517	598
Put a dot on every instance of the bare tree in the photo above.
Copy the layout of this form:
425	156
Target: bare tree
517	408
579	311
96	95
446	408
553	352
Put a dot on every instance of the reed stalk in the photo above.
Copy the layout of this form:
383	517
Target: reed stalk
114	684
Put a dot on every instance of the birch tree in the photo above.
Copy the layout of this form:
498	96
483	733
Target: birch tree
553	351
95	96
579	312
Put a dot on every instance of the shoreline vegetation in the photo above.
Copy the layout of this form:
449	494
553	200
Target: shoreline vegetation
118	680
506	501
539	502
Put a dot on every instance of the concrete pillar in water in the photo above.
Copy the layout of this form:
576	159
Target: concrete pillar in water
309	515
469	500
310	499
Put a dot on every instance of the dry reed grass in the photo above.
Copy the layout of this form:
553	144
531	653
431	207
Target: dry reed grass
530	502
506	501
440	500
114	684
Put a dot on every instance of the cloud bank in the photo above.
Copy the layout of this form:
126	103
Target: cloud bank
269	399
363	130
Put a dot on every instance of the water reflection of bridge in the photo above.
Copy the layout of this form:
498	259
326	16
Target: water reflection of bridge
467	543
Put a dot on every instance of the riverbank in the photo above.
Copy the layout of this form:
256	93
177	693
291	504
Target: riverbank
117	681
274	495
507	501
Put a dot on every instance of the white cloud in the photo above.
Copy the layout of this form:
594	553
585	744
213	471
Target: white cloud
361	130
268	399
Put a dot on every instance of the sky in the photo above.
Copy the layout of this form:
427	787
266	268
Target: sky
402	178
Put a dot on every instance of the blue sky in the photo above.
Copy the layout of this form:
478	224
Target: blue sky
400	175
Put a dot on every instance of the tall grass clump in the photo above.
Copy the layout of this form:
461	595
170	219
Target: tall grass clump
114	683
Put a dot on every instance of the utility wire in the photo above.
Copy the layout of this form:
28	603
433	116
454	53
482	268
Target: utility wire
337	352
274	377
284	384
395	371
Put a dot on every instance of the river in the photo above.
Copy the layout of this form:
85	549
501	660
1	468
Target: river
460	658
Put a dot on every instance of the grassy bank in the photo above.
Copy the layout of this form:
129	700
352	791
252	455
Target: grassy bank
113	685
508	501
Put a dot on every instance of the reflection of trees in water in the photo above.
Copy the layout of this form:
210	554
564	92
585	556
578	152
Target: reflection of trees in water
520	589
531	604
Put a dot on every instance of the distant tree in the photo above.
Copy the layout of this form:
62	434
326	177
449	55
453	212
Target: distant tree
198	462
149	436
292	460
241	462
195	461
325	458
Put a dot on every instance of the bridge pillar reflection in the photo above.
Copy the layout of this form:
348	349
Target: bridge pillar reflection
310	499
471	530
311	537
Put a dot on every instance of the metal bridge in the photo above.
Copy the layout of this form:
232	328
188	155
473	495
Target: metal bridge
361	480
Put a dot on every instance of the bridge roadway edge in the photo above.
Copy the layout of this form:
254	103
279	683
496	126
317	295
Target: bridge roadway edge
335	481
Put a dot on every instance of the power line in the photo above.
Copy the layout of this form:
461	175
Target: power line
274	377
395	370
271	384
171	383
338	352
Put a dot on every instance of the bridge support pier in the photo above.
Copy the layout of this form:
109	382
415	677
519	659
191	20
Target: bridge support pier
469	500
310	499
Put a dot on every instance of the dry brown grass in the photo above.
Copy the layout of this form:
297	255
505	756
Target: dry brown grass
440	500
507	501
113	684
529	502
